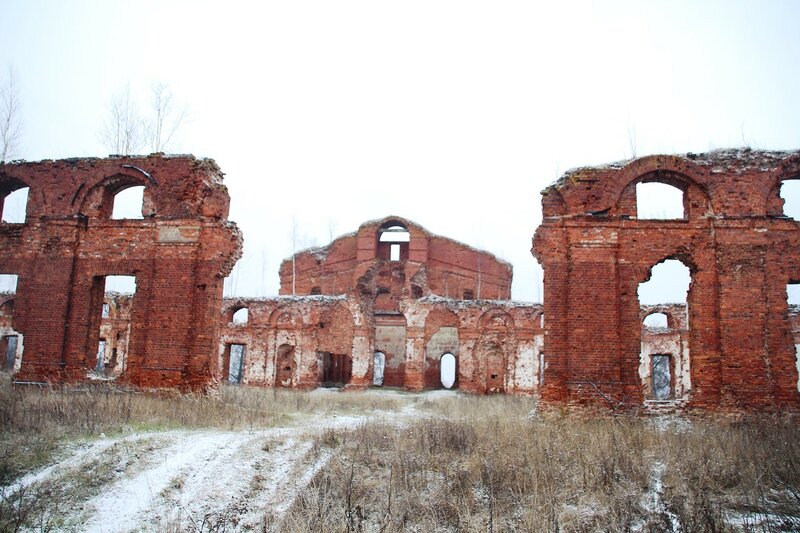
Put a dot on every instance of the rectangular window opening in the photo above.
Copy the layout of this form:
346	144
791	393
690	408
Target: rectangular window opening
662	376
113	329
236	363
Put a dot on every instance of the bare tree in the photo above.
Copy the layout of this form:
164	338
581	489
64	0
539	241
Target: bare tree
123	132
632	141
166	119
10	125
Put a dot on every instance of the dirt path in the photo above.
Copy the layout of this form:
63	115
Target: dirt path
189	480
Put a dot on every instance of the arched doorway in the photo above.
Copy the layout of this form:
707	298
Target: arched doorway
284	366
447	370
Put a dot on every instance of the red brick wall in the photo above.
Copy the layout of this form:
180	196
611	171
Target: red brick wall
179	252
439	265
595	252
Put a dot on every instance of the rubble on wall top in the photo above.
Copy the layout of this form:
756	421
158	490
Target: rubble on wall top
739	160
203	163
464	304
285	298
729	160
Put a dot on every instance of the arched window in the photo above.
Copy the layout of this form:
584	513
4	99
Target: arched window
790	192
128	203
15	206
240	316
659	201
393	239
656	320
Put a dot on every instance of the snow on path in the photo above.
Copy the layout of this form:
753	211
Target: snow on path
116	509
215	478
77	454
200	479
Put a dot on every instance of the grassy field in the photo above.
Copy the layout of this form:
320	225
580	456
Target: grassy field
462	463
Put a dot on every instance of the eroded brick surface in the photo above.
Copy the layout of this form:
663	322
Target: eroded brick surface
353	299
741	250
179	253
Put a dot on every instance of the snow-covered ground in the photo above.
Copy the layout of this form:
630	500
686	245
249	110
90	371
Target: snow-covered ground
191	479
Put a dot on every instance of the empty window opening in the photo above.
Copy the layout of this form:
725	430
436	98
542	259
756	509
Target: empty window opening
662	376
469	294
15	206
10	359
378	364
790	192
395	233
120	285
659	201
793	299
447	370
393	242
668	284
236	363
241	316
656	321
113	336
316	290
100	365
128	203
8	283
793	294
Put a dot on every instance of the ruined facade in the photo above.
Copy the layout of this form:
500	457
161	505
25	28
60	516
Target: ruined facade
736	349
388	305
176	250
394	305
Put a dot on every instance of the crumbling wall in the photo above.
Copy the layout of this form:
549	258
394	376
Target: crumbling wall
741	251
179	252
430	264
291	341
412	341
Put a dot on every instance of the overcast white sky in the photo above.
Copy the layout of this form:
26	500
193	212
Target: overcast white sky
455	114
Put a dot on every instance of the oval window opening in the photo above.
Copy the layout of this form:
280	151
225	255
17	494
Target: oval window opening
379	360
447	370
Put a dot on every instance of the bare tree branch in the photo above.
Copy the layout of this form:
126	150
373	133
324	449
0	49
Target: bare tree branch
166	118
10	119
123	132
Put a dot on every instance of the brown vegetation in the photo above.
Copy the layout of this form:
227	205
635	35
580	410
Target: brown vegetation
485	464
461	463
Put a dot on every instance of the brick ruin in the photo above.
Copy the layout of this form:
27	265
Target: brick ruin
737	343
389	305
394	305
177	251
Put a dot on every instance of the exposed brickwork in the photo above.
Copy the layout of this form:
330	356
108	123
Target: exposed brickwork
429	265
740	249
179	252
412	310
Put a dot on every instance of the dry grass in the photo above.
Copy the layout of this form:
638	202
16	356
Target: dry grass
35	421
482	464
467	463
